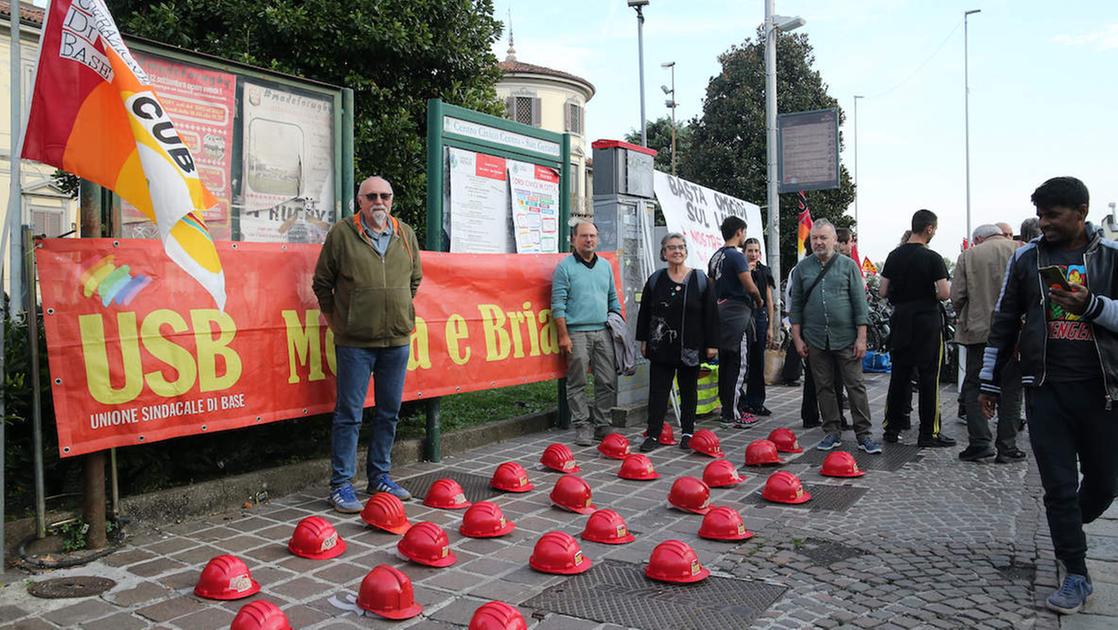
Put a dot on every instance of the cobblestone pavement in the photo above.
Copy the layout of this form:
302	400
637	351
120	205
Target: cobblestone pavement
931	542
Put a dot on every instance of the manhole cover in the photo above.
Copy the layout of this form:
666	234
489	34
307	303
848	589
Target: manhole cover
475	487
891	459
824	498
73	586
619	593
826	552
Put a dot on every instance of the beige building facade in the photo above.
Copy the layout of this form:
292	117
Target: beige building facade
556	101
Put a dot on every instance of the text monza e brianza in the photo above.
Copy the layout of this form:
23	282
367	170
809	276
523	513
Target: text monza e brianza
163	411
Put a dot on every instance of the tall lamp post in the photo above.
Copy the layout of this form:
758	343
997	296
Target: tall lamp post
857	182
638	6
966	106
773	25
671	104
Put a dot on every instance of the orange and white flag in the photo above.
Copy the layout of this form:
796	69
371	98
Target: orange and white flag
95	114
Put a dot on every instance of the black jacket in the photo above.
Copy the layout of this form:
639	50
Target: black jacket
700	324
1023	295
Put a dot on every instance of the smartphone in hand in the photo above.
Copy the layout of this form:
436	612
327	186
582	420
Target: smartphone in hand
1053	276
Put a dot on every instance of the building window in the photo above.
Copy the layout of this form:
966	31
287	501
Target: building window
47	221
523	109
573	117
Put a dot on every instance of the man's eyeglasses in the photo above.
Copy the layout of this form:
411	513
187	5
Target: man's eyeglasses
373	196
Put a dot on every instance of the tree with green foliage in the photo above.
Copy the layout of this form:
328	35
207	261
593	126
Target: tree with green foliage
729	143
394	54
659	133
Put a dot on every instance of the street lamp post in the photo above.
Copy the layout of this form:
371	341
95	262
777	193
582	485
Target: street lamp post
774	24
638	6
857	182
966	106
671	103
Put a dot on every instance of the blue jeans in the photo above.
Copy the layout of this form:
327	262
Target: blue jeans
388	367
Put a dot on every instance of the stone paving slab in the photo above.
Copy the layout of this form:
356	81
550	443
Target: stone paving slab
938	543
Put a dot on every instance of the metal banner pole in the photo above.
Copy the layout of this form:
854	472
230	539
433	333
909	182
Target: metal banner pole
32	316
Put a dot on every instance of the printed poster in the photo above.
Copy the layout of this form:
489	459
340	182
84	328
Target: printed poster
534	192
288	165
201	103
479	204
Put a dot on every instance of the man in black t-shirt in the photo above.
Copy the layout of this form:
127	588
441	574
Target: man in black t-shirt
914	279
737	296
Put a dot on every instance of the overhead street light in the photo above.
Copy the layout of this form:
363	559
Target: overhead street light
638	6
773	25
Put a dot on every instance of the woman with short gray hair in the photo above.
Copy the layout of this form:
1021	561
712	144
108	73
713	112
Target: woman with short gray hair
678	329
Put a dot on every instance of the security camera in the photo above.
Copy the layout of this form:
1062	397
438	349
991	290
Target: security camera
667	90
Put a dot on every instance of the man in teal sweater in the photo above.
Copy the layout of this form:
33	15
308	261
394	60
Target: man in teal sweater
582	297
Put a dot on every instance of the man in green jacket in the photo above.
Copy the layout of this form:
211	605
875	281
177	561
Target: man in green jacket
829	316
366	277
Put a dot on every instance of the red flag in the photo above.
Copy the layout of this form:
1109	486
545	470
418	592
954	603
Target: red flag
95	114
803	235
856	257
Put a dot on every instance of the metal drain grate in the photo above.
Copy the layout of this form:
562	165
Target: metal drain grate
827	552
73	586
1024	573
475	487
824	498
891	459
619	593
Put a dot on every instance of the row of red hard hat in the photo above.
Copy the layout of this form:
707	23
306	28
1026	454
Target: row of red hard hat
671	561
386	592
559	457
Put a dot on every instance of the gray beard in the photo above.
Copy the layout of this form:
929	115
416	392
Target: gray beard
380	217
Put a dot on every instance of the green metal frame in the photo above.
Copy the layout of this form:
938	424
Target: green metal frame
437	141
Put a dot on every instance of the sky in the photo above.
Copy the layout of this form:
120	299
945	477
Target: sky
1043	94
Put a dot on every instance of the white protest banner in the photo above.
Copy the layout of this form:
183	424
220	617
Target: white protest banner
697	212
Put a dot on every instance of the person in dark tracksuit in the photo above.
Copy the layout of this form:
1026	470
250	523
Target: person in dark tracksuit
914	280
1068	354
763	316
737	297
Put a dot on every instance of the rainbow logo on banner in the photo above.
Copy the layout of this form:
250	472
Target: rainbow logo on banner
95	114
111	283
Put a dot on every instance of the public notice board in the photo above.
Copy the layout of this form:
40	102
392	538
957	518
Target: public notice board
697	212
138	353
479	204
809	152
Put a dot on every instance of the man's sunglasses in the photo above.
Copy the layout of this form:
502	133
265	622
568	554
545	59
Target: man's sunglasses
373	196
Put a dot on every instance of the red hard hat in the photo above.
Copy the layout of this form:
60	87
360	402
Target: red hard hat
226	577
385	511
785	440
724	523
511	477
446	494
386	591
840	464
666	435
639	467
558	552
559	458
316	538
761	452
705	442
260	615
485	520
690	495
721	473
675	561
607	527
784	487
497	616
572	493
614	446
427	543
